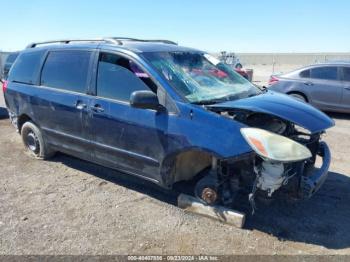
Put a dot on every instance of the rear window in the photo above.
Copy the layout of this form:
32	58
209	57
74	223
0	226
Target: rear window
326	73
305	74
66	70
25	69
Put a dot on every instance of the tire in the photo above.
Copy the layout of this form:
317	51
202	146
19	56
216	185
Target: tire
33	141
239	66
298	97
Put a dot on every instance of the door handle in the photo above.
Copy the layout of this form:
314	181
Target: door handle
80	105
97	108
308	83
347	87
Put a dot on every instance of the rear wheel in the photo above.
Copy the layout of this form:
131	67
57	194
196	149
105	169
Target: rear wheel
298	97
33	141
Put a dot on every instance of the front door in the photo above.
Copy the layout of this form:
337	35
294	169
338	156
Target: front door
124	137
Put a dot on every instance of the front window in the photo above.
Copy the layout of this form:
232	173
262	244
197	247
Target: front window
119	77
201	78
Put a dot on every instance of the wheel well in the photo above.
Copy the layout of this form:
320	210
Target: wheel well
21	120
188	164
299	93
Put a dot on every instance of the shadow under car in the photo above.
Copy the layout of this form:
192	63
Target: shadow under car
322	220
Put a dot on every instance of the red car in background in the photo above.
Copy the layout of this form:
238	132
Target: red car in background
243	73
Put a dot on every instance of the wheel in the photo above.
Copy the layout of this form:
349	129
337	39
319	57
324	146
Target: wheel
239	66
33	141
206	190
298	97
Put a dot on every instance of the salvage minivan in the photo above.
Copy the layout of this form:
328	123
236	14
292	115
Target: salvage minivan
166	113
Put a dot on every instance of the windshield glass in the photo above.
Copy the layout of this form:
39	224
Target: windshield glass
201	78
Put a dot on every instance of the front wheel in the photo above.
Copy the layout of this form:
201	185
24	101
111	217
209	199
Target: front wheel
33	141
207	190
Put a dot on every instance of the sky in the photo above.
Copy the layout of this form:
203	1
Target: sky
211	25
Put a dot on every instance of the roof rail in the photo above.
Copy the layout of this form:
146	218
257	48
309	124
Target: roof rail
67	41
143	40
110	40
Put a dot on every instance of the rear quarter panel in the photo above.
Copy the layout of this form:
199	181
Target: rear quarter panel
18	99
288	85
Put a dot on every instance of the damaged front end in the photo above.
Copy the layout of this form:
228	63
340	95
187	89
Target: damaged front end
282	162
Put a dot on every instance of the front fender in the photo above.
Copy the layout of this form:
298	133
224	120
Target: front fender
209	131
203	132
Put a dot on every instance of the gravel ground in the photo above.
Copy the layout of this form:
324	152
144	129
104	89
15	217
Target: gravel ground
69	206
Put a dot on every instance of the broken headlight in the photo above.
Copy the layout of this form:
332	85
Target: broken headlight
274	147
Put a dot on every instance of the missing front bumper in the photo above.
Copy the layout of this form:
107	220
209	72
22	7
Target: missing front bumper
312	181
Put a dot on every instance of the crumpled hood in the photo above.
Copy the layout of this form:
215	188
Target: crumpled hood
284	107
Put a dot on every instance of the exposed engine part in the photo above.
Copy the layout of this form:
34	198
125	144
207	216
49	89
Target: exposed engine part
270	176
218	185
267	122
209	195
259	120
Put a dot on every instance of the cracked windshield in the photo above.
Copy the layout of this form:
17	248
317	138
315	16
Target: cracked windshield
201	78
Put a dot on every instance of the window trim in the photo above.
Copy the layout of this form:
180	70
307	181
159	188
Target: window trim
88	77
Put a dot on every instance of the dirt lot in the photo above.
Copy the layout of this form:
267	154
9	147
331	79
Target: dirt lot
68	206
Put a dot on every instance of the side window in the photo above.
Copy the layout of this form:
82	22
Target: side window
327	73
305	74
67	70
26	67
119	77
346	74
11	58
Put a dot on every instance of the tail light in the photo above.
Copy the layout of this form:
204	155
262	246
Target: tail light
273	80
4	86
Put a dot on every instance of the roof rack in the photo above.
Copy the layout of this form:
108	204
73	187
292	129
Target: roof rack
143	40
67	41
110	40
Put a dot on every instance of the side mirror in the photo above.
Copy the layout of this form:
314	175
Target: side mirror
145	100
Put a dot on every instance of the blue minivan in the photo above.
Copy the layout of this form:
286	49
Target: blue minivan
166	113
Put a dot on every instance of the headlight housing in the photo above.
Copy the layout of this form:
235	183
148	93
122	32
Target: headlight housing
274	147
